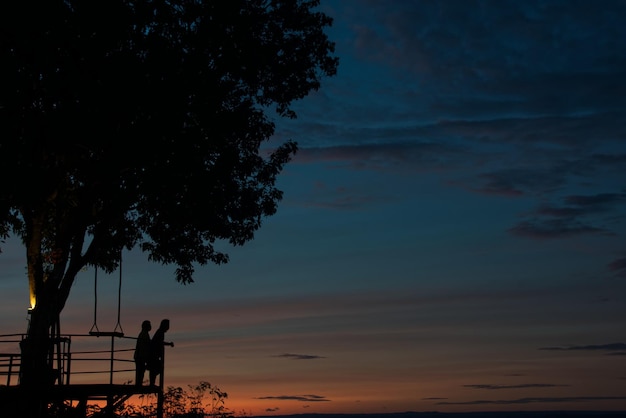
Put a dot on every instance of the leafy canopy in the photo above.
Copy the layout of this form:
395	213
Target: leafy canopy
140	122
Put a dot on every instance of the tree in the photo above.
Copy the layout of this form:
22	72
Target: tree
139	123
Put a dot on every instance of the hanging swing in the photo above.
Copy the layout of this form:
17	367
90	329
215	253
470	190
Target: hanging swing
117	331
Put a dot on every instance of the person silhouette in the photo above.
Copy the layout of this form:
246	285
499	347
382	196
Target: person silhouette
157	347
142	352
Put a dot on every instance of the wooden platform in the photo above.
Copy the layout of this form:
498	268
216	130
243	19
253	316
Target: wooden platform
15	400
112	395
81	391
27	401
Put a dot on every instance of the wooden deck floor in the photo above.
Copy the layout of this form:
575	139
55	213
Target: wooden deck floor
26	402
80	391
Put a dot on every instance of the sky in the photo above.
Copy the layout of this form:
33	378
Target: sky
451	236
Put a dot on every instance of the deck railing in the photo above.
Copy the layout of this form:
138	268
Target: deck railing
10	361
78	358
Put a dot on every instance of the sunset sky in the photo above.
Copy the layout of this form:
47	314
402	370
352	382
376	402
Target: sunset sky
452	233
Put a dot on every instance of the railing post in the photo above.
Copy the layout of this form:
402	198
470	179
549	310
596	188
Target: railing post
68	360
160	396
160	393
111	364
69	368
10	370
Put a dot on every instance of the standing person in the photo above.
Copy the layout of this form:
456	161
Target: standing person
142	352
157	347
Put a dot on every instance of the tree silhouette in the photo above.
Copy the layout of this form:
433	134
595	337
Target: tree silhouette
129	123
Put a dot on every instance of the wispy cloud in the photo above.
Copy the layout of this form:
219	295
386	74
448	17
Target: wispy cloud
618	267
569	219
300	398
412	35
343	198
520	386
597	202
383	153
299	356
518	181
555	228
537	400
601	347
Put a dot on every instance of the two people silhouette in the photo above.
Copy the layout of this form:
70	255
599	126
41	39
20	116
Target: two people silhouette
149	352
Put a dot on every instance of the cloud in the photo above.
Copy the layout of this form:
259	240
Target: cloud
596	202
601	347
580	205
520	386
618	267
342	198
537	109
299	356
300	398
383	153
452	45
555	228
569	220
517	181
536	400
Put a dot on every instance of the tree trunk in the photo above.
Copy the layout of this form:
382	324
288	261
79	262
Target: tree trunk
37	371
37	348
50	279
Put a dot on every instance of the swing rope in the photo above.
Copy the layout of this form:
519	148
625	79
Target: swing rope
118	326
117	331
94	327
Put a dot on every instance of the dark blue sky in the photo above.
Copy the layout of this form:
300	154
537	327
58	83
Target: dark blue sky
452	232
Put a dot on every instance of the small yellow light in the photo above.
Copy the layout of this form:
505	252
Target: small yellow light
33	300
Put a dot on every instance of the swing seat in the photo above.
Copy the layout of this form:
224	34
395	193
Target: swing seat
106	334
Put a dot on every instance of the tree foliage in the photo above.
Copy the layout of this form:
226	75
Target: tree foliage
130	123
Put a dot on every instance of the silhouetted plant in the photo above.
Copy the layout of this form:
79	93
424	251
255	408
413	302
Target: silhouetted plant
215	406
174	401
198	401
